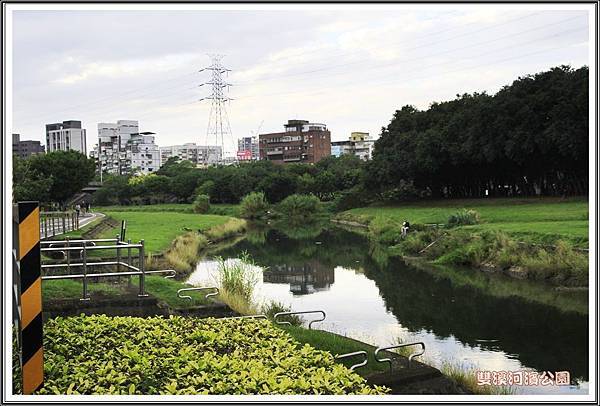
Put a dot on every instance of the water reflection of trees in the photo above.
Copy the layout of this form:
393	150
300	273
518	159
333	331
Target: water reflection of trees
542	336
306	278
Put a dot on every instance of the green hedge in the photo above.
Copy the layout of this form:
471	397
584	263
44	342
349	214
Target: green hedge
129	355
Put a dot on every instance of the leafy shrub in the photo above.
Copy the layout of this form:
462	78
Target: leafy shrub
201	204
350	199
463	217
300	207
206	188
254	206
150	356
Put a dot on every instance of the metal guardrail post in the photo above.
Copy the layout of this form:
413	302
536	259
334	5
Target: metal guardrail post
142	270
53	230
354	354
410	357
196	289
45	226
77	221
64	224
68	255
85	287
118	254
293	313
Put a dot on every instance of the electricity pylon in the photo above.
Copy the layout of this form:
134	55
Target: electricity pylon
218	121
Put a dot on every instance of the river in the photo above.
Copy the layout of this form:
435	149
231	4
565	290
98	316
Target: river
482	321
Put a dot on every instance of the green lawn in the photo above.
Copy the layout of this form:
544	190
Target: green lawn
158	229
533	217
221	209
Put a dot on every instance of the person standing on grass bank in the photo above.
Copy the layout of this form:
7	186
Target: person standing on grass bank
405	228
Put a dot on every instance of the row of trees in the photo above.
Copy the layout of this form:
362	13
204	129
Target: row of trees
51	178
180	181
531	138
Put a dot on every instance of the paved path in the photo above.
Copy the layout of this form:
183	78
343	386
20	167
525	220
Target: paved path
83	220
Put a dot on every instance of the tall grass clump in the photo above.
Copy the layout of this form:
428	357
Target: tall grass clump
236	280
201	204
300	207
226	230
466	377
463	217
254	206
562	265
183	253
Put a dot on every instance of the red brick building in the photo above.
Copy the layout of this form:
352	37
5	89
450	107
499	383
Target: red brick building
301	142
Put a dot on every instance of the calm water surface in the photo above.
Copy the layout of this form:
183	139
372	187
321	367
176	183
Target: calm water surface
487	322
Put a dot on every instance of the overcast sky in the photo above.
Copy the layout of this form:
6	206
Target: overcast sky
350	69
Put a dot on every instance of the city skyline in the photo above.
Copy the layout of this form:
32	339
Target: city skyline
349	69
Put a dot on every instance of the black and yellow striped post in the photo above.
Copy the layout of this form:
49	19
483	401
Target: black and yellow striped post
32	355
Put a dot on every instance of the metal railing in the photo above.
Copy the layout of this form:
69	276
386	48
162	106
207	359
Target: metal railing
58	222
355	354
197	289
410	357
84	246
281	314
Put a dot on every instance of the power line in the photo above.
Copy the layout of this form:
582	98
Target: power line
363	61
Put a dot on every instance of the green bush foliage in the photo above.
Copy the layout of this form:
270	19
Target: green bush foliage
254	206
299	207
201	204
150	356
463	217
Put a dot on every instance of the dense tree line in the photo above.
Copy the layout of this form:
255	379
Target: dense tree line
531	138
179	181
51	178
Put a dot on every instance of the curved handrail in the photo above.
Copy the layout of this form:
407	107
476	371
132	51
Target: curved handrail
293	313
354	354
200	288
410	357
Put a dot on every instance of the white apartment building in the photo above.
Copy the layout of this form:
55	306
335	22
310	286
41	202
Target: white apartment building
143	154
197	154
65	136
122	149
359	144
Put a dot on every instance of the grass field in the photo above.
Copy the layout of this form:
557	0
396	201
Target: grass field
159	229
221	209
542	219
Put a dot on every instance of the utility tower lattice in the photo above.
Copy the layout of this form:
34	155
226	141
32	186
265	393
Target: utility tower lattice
218	121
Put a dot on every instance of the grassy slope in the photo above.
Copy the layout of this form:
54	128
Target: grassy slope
337	345
158	229
528	217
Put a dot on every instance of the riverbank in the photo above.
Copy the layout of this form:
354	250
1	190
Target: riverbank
536	239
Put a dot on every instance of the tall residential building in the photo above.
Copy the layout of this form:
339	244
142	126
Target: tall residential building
248	149
25	148
301	141
359	144
122	149
65	136
197	154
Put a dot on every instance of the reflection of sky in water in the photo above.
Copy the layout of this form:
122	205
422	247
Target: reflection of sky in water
355	309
